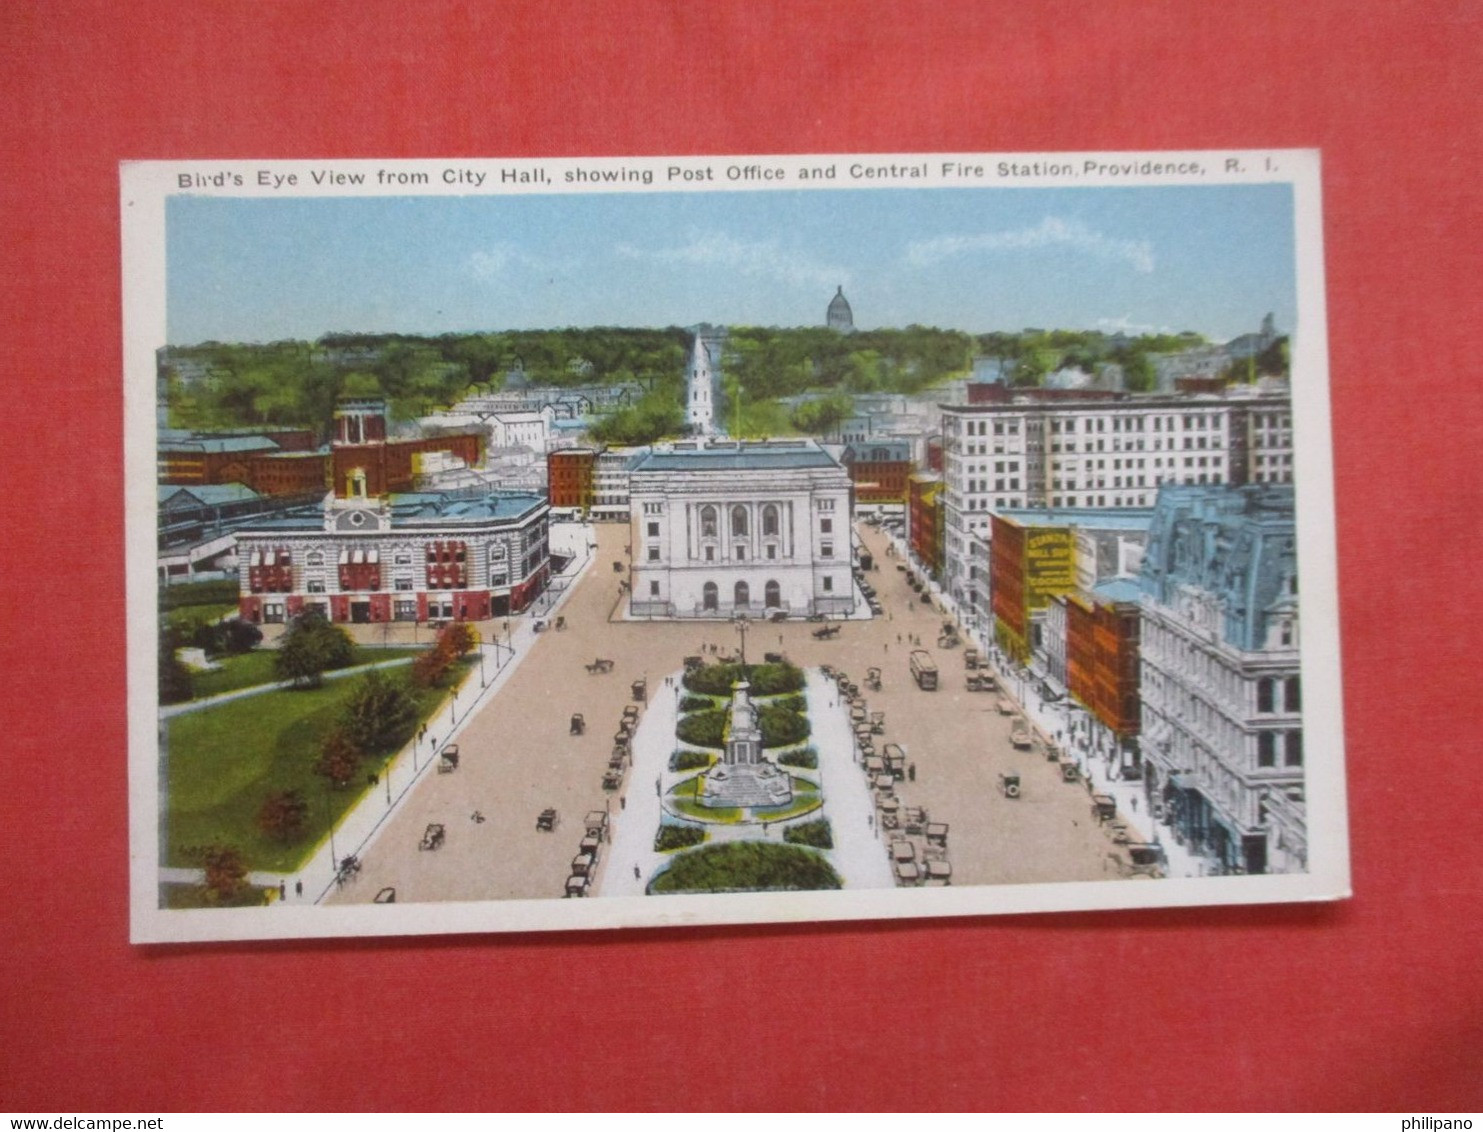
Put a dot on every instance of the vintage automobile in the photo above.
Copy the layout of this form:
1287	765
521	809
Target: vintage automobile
1104	807
546	821
578	724
1009	785
448	759
826	632
432	836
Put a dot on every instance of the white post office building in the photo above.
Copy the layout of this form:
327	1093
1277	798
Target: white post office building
740	527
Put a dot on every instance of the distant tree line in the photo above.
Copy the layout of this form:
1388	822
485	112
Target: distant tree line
297	384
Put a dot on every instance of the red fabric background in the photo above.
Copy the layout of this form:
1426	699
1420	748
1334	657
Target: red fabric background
1375	1003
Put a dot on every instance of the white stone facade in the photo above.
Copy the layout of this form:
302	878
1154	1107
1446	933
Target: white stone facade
1112	453
751	528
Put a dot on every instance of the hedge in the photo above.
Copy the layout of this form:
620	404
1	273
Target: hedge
765	679
780	727
747	866
690	760
806	758
816	833
671	837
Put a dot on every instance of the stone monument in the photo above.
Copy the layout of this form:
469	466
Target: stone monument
743	779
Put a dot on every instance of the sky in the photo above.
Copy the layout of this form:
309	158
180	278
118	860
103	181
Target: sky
1212	259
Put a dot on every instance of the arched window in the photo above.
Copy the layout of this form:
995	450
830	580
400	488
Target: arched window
357	483
709	596
769	520
743	596
739	520
773	595
707	522
316	558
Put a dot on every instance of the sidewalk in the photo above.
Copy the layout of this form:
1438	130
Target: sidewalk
258	689
358	828
858	856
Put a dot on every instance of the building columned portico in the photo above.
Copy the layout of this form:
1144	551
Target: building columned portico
753	528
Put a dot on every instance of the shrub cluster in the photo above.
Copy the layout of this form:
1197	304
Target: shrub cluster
816	833
697	703
766	679
782	727
672	836
690	760
703	728
806	758
747	866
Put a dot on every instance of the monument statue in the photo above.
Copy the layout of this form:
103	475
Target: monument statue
743	778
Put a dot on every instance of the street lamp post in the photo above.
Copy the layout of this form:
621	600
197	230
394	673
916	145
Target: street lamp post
740	621
330	814
481	660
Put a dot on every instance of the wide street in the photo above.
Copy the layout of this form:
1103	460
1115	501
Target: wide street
519	758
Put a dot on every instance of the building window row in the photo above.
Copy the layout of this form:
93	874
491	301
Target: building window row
1269	744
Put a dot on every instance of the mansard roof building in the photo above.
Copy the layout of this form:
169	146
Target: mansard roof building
1221	681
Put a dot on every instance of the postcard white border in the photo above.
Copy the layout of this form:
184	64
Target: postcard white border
147	185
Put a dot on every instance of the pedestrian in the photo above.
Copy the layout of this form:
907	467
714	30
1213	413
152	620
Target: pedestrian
911	772
282	890
623	803
636	874
898	638
298	888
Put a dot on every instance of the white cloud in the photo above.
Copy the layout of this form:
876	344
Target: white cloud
494	261
1126	325
758	260
1053	231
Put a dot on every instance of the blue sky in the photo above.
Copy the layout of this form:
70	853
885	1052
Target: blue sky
1213	259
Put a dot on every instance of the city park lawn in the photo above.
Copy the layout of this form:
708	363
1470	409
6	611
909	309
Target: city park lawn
189	616
225	759
250	669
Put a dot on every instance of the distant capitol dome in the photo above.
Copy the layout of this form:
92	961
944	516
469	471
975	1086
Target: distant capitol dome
840	317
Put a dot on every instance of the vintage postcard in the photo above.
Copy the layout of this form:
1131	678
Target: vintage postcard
579	543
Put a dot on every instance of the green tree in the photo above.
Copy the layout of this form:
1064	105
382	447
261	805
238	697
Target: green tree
176	683
380	715
311	647
339	758
824	416
1138	372
283	814
226	872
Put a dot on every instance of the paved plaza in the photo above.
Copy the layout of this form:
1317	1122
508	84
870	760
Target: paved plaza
519	758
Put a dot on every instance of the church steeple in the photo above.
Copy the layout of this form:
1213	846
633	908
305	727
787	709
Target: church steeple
700	409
